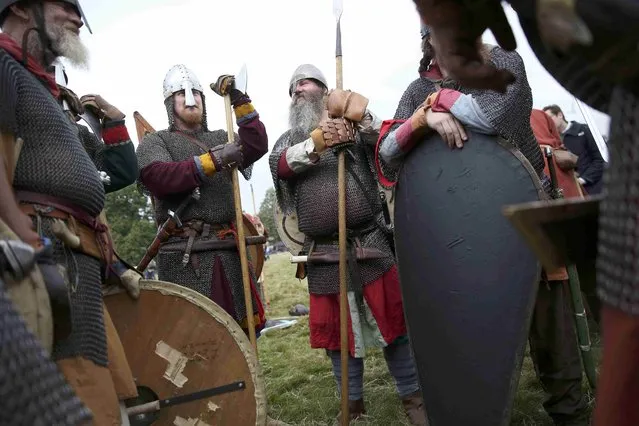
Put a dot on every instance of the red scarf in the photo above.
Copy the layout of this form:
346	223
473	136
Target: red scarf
13	48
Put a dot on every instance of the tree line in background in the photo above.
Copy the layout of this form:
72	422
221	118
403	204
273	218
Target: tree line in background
267	209
130	217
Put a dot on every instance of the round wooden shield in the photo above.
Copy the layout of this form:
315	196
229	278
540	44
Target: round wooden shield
288	230
255	251
179	342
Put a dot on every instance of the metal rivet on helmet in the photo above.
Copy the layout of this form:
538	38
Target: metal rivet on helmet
306	71
5	4
178	78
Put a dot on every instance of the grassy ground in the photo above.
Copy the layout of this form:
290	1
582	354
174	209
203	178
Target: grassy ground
299	382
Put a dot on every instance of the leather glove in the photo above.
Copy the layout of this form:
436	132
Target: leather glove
75	105
332	132
225	85
418	119
226	156
347	104
131	282
565	159
101	108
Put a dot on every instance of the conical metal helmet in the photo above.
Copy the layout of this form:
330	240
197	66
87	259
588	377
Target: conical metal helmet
5	4
424	30
306	71
178	78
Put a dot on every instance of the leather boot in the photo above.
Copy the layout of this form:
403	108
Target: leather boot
356	410
414	408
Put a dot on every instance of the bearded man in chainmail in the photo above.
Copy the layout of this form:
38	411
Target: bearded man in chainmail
434	103
304	169
58	188
187	155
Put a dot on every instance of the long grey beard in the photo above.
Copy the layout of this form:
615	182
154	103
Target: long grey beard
306	114
69	45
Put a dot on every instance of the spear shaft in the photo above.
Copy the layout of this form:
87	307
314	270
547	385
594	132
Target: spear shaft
341	209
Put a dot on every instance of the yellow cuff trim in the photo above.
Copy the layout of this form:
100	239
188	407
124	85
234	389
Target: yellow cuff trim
256	321
318	140
243	110
207	164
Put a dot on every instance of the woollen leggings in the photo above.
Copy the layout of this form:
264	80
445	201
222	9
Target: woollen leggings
401	366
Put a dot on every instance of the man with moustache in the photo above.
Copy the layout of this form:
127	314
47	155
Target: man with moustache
187	155
435	103
54	179
304	168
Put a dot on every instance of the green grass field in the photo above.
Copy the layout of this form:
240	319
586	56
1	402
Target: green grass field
299	382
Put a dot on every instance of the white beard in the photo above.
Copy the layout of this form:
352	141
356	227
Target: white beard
69	45
306	113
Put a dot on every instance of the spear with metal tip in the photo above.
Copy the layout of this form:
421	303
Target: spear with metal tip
240	82
341	211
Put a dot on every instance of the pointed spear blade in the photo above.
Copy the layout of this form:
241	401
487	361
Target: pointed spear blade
338	7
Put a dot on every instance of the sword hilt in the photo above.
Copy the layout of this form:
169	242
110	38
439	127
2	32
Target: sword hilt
175	218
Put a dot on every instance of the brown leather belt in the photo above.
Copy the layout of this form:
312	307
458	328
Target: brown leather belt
94	236
197	228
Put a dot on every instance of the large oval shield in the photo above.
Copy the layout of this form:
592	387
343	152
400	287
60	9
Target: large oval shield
468	278
178	342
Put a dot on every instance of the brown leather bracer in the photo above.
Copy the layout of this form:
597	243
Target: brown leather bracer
337	131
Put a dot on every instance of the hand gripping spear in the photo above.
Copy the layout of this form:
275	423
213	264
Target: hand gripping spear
341	211
240	84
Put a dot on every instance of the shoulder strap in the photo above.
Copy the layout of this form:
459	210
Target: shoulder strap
196	142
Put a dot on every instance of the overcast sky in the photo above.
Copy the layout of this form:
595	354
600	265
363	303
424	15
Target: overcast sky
135	42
